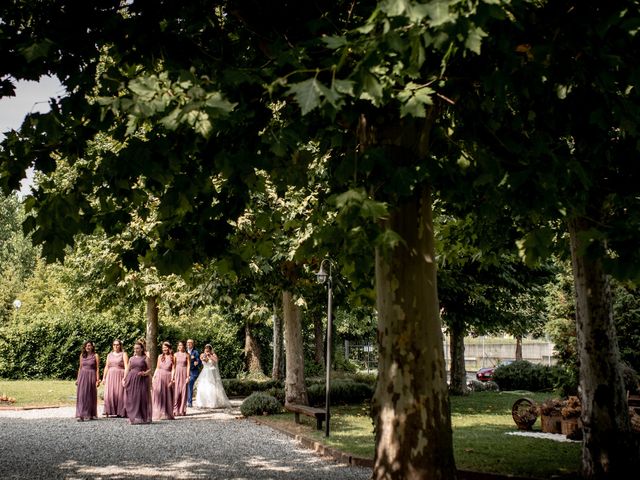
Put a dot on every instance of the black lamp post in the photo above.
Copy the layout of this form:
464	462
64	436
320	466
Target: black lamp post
322	277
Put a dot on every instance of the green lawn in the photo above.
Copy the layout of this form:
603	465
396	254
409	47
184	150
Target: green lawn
480	422
35	393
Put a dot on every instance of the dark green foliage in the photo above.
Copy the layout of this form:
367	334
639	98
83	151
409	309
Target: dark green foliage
631	379
236	387
523	375
343	391
478	386
49	347
626	314
260	403
566	383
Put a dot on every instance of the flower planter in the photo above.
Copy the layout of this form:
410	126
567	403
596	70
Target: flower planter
524	413
551	423
570	425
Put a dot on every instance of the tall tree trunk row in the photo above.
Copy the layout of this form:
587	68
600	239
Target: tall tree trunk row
609	449
411	402
458	371
252	351
295	388
152	331
277	369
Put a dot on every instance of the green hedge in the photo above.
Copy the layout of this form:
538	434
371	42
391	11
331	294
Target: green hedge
343	391
49	346
524	375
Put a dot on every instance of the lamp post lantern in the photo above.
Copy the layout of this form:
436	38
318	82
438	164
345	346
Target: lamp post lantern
322	277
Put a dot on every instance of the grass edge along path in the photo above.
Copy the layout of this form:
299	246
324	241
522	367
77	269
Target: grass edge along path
480	424
30	394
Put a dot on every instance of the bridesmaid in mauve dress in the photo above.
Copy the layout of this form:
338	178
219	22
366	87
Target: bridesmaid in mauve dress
136	387
112	381
163	385
181	378
87	382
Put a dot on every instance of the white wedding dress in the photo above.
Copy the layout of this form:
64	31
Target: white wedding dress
208	387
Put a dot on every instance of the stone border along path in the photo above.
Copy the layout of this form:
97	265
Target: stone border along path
206	444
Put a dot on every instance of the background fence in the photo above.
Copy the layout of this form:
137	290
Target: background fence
479	352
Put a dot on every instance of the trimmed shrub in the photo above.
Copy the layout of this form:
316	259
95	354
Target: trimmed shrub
524	375
342	392
237	387
260	403
478	386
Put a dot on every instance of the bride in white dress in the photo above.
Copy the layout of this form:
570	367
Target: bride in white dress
208	387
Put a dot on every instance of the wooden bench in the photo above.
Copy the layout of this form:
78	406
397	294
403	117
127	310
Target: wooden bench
318	413
634	402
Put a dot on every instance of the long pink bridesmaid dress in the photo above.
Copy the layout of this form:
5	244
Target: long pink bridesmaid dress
163	390
180	386
87	400
136	392
114	391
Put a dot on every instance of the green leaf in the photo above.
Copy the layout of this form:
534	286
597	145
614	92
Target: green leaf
307	94
394	8
474	40
344	86
350	196
373	209
414	98
216	101
334	42
145	87
438	11
37	50
371	89
170	122
203	124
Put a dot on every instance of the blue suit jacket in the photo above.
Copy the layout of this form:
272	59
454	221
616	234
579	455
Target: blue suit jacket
195	364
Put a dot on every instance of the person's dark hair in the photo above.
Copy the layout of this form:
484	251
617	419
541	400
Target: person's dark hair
141	346
168	345
84	348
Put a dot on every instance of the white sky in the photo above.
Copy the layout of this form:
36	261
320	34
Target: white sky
30	97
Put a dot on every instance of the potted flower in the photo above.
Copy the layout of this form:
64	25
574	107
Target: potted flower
571	418
551	415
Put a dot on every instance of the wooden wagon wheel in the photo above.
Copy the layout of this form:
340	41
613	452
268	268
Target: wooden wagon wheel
524	413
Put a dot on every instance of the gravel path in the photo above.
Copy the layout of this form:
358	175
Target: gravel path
50	443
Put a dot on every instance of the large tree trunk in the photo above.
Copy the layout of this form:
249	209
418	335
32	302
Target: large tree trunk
295	390
519	348
411	402
252	352
278	346
318	334
608	448
458	375
152	331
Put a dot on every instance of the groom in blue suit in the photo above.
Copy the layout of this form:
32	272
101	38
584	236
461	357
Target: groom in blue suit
194	370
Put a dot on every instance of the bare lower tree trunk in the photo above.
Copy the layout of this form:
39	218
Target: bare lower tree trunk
318	334
152	331
295	390
411	402
458	376
252	352
608	448
278	346
518	348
